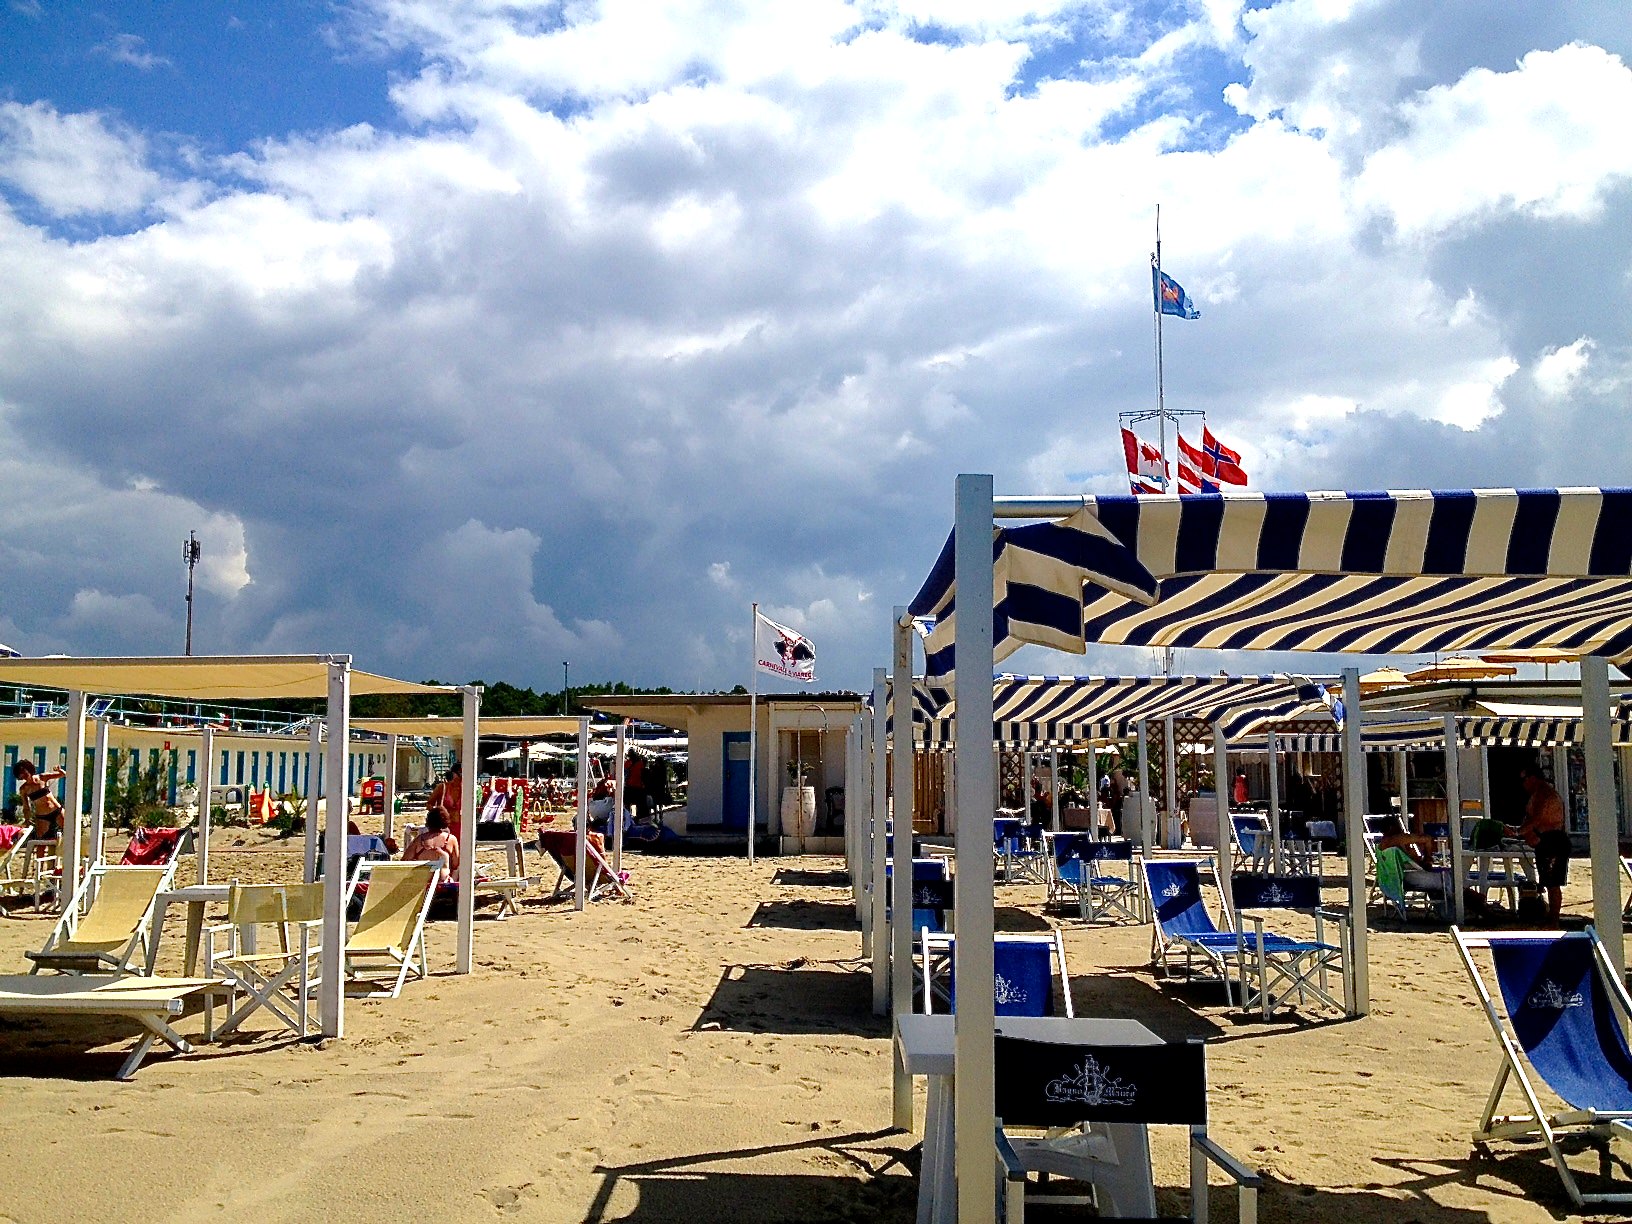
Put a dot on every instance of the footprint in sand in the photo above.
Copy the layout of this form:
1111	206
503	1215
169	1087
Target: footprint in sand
509	1199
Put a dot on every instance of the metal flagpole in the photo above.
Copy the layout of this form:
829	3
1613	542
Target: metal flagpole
753	729
1161	390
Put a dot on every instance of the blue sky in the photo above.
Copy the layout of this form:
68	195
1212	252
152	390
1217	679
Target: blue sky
473	337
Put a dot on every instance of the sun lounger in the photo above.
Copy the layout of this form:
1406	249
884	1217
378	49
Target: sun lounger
151	1001
1563	1015
389	939
1180	921
562	848
113	930
155	847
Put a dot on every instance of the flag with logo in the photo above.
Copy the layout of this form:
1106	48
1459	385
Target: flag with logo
1171	299
1147	473
782	652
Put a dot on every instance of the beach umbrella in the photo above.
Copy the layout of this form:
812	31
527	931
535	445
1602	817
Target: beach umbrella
1383	678
1461	667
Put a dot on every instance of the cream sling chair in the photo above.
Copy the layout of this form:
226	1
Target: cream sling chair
389	938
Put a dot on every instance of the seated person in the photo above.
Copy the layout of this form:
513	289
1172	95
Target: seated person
1420	850
433	842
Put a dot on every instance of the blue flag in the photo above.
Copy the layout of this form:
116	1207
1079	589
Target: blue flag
1171	299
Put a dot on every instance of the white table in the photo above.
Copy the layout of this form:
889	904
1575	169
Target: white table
926	1046
196	897
1480	871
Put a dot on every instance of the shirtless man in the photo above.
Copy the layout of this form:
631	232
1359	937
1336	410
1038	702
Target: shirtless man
1543	829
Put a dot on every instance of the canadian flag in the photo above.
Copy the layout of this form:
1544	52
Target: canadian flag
1147	473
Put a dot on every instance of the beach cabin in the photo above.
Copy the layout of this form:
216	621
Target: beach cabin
799	777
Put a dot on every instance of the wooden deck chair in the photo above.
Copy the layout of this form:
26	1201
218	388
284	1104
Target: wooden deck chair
389	939
562	848
1563	1015
1095	1104
113	930
281	980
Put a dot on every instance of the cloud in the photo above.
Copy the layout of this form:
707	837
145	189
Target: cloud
131	49
73	164
637	313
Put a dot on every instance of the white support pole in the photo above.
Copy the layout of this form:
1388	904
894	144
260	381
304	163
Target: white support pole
1025	782
859	813
617	796
1400	766
1354	811
901	927
1602	844
469	795
974	1097
1485	807
1149	835
753	730
1226	827
1093	792
880	810
581	824
1277	864
337	717
73	800
1170	769
99	791
205	802
314	792
391	742
1453	818
1054	789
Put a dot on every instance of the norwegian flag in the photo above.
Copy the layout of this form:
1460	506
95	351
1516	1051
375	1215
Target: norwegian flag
1147	473
1223	464
1195	469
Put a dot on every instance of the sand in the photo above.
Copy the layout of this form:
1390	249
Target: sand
707	1052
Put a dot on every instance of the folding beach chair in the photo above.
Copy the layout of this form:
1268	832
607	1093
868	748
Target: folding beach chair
280	981
389	938
1114	895
113	930
155	847
562	848
924	870
1025	968
500	834
1249	842
932	905
16	874
1180	921
1279	968
1564	1008
1022	859
1096	1103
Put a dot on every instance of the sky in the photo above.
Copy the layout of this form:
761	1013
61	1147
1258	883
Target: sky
478	336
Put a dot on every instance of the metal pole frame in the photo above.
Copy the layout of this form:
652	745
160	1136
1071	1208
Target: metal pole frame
901	925
1277	863
581	822
73	801
1453	818
390	822
1149	836
1054	788
974	1096
880	813
99	791
469	791
1602	833
337	718
1354	810
618	798
205	803
314	792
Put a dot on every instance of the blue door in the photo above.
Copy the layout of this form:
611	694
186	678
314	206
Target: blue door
734	777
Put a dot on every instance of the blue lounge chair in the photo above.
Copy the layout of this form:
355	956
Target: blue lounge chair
1179	920
1095	1104
1067	870
924	870
932	902
1564	1008
1113	896
1025	967
1279	967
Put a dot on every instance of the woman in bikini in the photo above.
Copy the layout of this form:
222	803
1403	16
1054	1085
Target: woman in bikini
40	804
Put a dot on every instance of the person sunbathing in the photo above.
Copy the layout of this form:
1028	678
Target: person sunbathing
435	842
1420	850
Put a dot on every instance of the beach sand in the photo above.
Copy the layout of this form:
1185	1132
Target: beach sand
707	1052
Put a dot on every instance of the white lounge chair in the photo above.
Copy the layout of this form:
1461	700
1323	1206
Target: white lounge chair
388	941
151	1001
113	930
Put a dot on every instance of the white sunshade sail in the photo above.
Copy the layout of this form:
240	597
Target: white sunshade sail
203	677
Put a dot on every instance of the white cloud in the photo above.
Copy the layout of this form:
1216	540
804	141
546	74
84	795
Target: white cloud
73	164
131	49
1558	370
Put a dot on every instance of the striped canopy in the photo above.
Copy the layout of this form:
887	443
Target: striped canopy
1407	572
1057	711
1471	732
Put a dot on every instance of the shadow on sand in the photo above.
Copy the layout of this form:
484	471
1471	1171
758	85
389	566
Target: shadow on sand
795	877
682	1188
799	997
806	915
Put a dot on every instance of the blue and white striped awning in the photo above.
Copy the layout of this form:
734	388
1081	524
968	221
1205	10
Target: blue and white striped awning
1407	572
1060	711
1471	732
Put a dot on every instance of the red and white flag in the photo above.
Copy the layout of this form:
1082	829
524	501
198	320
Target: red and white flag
1195	469
1147	472
1224	464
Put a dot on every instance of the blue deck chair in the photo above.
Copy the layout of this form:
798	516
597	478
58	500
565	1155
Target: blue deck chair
923	870
1022	860
1179	920
1025	966
1113	895
1277	969
1094	1104
1251	848
932	902
1067	872
1564	1008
